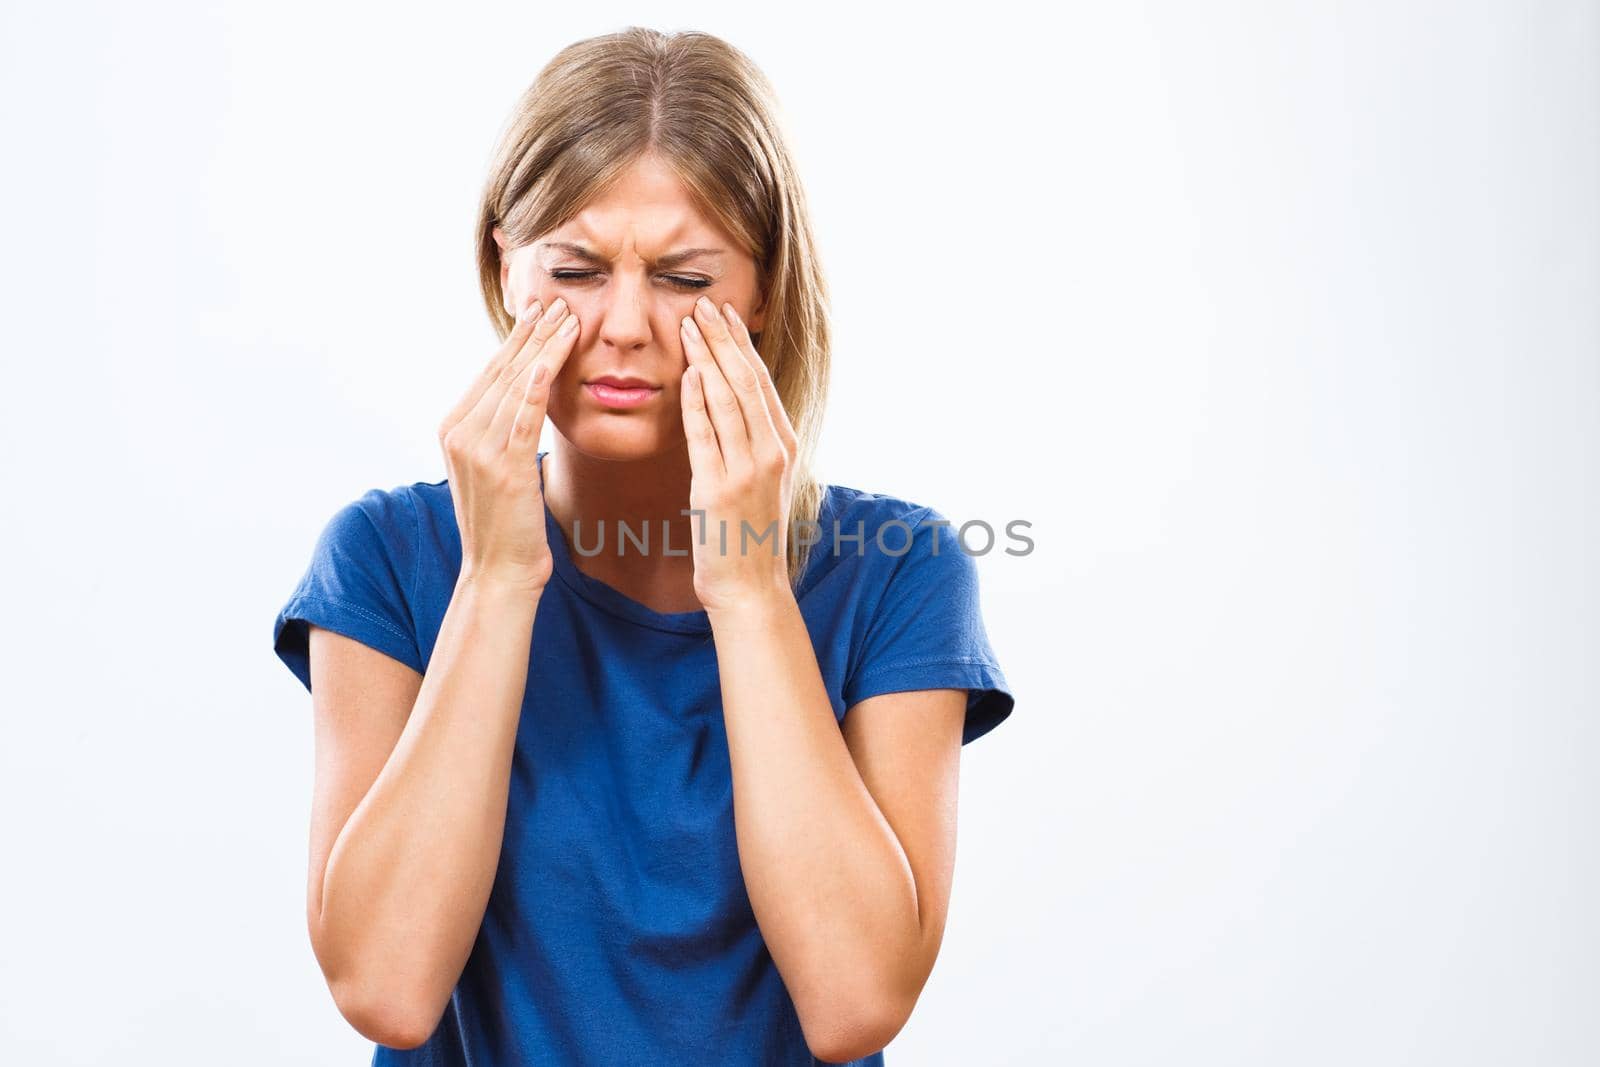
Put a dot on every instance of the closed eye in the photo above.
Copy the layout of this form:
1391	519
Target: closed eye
681	281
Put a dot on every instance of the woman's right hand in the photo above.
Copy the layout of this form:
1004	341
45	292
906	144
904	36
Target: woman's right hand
491	443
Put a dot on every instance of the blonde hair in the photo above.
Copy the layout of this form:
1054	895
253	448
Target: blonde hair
709	112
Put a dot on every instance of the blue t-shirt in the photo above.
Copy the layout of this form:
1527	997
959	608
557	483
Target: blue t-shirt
618	930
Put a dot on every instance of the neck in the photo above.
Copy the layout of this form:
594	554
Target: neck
603	493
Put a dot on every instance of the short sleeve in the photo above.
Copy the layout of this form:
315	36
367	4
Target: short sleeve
927	630
358	584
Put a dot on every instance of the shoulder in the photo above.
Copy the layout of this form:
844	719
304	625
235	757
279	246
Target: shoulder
875	543
391	510
401	523
374	533
884	526
385	517
430	502
848	505
360	581
919	622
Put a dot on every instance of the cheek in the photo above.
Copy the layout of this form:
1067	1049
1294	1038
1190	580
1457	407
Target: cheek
523	280
666	314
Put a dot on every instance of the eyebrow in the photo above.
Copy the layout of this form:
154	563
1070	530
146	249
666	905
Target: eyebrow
671	259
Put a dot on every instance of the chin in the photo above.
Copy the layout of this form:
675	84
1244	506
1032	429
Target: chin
611	435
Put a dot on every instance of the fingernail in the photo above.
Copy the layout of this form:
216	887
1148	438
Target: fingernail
556	309
733	316
529	313
704	305
570	325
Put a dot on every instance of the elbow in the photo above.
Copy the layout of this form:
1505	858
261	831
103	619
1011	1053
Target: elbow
867	1028
398	1022
381	1011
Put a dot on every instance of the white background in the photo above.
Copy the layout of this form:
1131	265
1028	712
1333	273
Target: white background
1278	321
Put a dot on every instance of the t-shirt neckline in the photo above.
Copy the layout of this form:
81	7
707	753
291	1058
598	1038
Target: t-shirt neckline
607	597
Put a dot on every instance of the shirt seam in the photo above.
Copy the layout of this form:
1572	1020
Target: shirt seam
595	600
616	612
416	554
366	613
386	551
946	662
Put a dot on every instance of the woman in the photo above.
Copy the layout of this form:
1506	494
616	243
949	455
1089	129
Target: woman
598	779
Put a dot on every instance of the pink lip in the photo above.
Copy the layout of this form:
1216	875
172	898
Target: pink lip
611	395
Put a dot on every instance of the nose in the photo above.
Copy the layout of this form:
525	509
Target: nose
625	313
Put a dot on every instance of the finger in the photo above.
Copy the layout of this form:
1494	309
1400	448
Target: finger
482	414
758	397
769	388
525	337
721	405
740	376
508	349
528	423
514	422
705	457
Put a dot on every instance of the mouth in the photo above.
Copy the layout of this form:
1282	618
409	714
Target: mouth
612	391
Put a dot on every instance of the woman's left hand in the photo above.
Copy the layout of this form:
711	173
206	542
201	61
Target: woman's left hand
742	451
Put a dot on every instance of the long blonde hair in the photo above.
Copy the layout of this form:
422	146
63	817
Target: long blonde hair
706	109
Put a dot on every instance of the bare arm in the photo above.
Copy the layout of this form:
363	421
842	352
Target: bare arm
847	842
412	779
414	771
846	838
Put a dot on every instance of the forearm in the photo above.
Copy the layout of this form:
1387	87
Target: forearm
409	876
829	882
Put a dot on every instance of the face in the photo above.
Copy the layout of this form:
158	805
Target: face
631	266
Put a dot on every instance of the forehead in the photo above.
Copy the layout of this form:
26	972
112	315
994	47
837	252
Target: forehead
647	210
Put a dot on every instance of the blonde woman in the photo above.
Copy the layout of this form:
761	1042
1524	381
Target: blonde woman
642	750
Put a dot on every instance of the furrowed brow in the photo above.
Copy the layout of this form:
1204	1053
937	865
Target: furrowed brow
676	259
671	259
